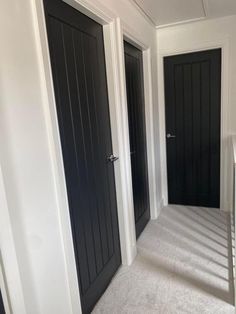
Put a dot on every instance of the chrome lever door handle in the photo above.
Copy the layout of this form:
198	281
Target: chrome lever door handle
112	158
170	136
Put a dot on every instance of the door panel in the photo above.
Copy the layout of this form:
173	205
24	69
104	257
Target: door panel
193	95
78	67
2	310
137	131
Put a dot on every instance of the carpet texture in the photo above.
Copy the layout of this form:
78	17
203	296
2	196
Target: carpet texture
184	265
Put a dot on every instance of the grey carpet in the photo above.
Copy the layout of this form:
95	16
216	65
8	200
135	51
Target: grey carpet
183	266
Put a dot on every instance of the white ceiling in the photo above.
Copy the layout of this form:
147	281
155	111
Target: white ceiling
165	12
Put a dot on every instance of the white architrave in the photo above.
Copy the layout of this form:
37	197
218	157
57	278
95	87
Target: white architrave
10	282
133	37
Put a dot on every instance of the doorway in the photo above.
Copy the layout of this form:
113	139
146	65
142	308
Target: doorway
193	127
79	76
137	132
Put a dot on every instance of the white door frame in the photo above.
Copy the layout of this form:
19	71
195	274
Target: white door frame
131	36
114	53
4	290
10	281
201	46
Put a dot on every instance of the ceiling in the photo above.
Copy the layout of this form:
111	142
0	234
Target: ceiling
167	12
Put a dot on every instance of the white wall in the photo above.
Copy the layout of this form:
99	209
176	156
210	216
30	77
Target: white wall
26	165
26	161
197	36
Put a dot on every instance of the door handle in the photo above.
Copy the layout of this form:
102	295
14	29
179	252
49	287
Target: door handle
170	136
112	158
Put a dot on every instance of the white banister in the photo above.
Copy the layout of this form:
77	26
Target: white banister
234	206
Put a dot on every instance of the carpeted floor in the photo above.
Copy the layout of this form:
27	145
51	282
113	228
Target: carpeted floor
184	265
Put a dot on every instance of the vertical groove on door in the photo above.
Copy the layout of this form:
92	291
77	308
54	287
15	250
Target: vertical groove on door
82	119
103	190
92	137
192	139
82	241
92	258
196	75
72	129
90	234
135	131
92	164
209	122
179	128
205	128
133	139
96	144
141	116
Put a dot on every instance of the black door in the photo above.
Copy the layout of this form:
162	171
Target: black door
78	67
137	131
2	311
193	96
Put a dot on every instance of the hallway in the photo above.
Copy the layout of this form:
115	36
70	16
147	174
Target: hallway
183	266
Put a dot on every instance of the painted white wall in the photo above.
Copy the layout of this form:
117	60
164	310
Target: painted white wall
26	160
26	166
197	36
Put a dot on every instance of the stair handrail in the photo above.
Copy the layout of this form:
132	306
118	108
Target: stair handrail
234	206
